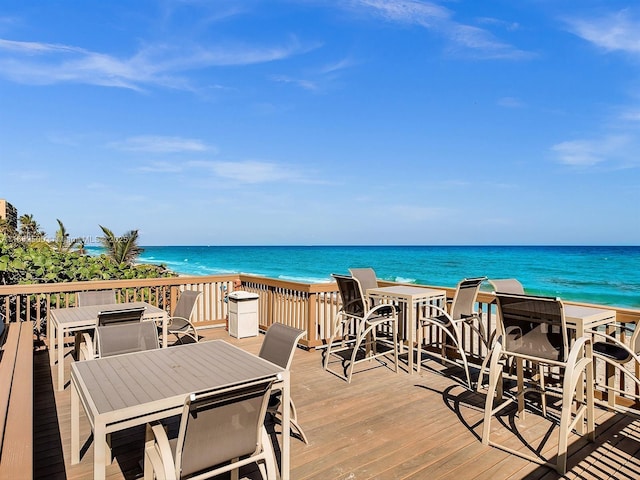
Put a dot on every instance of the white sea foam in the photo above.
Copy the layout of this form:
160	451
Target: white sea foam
405	280
293	278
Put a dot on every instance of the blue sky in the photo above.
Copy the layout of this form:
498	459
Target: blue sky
324	122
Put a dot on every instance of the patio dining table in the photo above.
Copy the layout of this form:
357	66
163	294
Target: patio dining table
76	319
132	389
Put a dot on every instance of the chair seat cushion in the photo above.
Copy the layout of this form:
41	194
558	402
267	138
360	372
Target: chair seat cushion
611	351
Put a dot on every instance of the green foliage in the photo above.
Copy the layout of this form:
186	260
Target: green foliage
37	262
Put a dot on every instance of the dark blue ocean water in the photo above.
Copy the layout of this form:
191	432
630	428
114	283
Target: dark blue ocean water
596	274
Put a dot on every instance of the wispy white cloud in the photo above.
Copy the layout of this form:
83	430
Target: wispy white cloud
630	115
8	20
161	167
161	144
337	66
463	38
319	78
587	153
305	84
510	26
618	31
510	102
153	65
253	171
406	11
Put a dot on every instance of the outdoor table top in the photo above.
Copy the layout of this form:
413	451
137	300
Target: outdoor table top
131	389
89	314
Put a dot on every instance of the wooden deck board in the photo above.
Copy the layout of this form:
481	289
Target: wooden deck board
381	426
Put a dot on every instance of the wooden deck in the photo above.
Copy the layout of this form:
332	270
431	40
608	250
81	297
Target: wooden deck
381	426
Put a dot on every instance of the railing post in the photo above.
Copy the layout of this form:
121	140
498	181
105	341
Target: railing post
312	306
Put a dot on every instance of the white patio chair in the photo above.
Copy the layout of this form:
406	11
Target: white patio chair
534	329
360	334
220	431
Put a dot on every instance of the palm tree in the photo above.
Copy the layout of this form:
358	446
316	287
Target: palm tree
6	228
81	250
29	228
123	249
62	242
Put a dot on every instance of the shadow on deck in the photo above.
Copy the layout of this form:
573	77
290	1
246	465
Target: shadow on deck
381	426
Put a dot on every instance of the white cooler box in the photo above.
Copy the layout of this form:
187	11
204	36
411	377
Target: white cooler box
243	314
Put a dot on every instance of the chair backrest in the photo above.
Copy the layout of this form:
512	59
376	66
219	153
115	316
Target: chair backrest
352	301
279	344
186	304
507	285
120	315
533	326
120	338
96	297
367	279
464	299
219	426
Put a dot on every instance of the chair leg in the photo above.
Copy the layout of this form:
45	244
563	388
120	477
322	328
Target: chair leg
360	336
298	430
338	324
520	375
543	395
494	376
269	456
458	346
235	473
294	422
295	426
483	367
420	339
575	376
396	344
328	352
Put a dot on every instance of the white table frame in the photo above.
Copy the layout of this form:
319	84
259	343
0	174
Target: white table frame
412	297
583	318
63	321
128	390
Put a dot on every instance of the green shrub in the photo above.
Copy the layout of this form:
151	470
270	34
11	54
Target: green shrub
38	262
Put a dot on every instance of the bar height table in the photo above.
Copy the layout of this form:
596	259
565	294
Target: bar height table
412	297
582	318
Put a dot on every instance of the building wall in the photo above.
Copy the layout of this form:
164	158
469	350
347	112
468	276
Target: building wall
9	212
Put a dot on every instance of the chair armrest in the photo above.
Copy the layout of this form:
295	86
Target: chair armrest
158	451
87	348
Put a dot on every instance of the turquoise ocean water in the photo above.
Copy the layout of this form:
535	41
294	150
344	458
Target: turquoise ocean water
596	274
